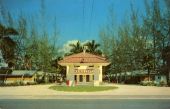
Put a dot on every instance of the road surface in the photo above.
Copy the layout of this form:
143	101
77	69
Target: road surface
85	104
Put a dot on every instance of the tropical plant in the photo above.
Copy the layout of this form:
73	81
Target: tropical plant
7	44
93	47
76	48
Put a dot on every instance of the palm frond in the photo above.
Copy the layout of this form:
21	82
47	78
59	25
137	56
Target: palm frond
11	31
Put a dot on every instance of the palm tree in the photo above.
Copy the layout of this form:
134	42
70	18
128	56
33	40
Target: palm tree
76	48
93	47
7	45
6	32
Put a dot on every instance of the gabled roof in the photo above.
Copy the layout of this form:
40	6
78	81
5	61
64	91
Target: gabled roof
83	57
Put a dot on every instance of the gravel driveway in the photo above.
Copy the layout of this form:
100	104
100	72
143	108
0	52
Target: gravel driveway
43	90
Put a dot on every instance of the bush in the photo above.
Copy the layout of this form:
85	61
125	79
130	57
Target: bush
147	83
17	83
31	83
2	84
162	83
168	83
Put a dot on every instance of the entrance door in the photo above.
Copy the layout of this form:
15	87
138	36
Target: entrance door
81	78
75	77
87	78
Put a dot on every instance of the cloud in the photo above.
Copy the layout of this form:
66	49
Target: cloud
66	48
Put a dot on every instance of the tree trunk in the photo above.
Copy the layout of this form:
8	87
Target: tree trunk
168	75
168	72
148	74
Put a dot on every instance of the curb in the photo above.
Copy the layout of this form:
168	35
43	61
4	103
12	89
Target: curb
85	97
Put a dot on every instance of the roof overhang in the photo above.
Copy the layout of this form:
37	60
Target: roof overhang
67	64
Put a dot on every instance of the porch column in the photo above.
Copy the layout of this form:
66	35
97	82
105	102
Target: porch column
84	78
100	74
70	75
67	72
96	76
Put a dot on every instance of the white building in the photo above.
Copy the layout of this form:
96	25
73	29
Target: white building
84	68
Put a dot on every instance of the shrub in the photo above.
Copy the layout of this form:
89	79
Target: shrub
162	83
31	83
147	83
17	83
2	84
168	83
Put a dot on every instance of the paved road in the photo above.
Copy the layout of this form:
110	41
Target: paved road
84	97
85	104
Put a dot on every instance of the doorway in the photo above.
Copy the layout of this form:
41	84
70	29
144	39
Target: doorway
81	78
87	78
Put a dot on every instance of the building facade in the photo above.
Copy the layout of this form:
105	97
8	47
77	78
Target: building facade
84	69
18	76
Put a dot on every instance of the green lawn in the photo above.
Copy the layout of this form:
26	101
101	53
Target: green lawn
82	88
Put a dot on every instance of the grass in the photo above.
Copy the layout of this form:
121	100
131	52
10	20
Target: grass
82	88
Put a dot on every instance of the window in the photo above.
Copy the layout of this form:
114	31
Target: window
76	66
75	77
87	78
91	66
81	78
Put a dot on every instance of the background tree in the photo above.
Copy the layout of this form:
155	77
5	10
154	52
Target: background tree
7	44
166	58
148	64
35	47
136	38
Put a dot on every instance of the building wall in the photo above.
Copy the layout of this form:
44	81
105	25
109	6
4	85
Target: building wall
96	71
18	79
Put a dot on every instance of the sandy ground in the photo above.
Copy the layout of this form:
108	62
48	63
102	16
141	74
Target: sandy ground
43	90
